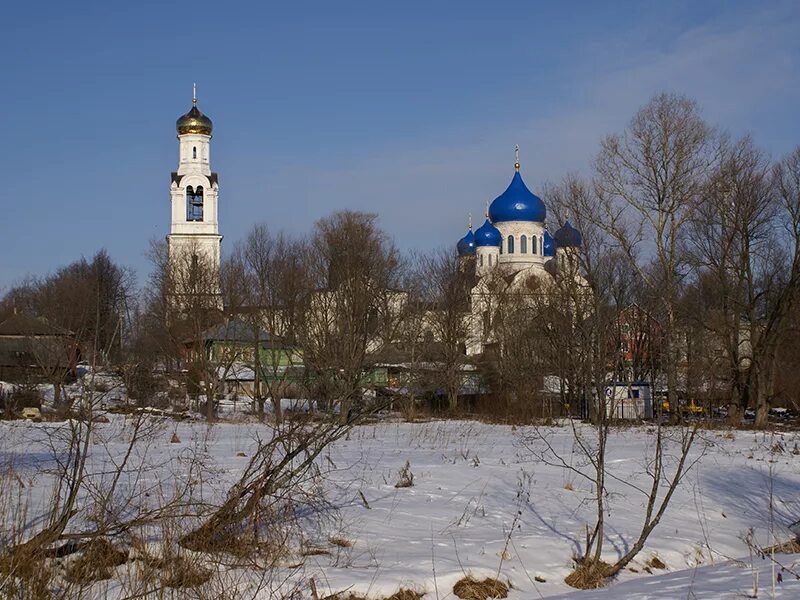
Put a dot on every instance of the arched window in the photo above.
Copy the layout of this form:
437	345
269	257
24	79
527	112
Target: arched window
511	244
194	151
533	244
481	259
194	203
523	244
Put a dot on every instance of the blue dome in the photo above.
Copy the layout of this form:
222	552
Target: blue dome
487	235
517	203
549	246
466	245
568	237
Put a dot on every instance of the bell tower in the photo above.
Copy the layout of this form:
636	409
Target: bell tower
194	241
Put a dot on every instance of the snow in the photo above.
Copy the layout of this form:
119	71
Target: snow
483	503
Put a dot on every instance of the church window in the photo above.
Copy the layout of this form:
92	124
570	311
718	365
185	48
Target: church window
533	244
481	259
194	203
194	151
511	244
523	244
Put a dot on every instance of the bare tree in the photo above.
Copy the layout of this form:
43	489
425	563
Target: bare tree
185	302
733	248
275	280
588	294
443	299
354	307
649	182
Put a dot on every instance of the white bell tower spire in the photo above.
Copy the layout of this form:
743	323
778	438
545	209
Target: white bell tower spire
194	240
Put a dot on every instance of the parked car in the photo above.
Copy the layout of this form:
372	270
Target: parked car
780	413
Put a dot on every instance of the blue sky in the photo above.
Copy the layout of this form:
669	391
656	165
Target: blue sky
408	109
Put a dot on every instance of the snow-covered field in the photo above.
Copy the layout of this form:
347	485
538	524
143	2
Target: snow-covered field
482	503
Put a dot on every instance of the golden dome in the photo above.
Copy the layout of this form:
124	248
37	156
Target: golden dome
194	122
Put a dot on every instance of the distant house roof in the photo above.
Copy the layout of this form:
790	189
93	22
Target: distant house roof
236	330
25	325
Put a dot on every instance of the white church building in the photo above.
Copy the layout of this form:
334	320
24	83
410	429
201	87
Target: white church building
512	246
194	190
513	242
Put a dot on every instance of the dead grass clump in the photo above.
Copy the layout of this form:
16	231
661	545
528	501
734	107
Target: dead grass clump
401	594
313	551
405	594
234	543
181	573
26	565
340	541
96	562
656	563
406	477
473	589
175	439
588	575
790	547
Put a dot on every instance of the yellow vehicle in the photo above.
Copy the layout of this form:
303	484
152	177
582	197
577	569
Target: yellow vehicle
692	408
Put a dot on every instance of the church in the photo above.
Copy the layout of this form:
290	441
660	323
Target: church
194	189
512	247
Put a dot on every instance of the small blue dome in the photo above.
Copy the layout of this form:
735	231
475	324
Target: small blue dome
466	245
487	235
549	247
568	237
517	203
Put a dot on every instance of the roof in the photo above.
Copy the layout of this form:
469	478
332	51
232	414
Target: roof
37	351
237	331
21	324
568	237
487	235
517	203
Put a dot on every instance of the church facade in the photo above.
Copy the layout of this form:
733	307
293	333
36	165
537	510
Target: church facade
194	239
512	247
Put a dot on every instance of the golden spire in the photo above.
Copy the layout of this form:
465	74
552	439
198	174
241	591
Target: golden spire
516	157
470	221
194	94
487	209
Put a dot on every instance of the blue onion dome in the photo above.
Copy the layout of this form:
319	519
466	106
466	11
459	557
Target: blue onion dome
517	203
549	246
568	237
466	245
194	122
487	235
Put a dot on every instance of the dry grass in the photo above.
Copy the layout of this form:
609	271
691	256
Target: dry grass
790	547
473	589
181	573
340	541
405	594
401	594
656	563
406	477
96	562
588	575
